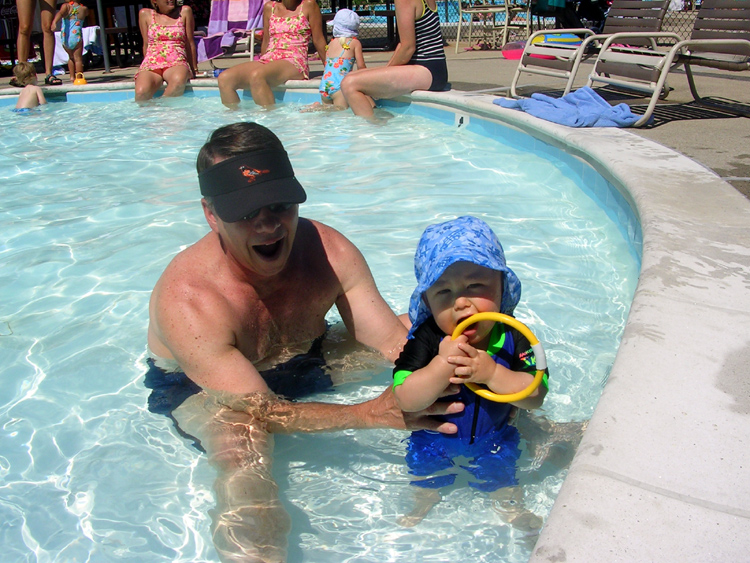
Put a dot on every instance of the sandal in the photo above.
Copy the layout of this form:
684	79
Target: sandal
52	80
15	83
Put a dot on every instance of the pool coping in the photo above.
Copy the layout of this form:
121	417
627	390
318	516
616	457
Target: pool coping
659	472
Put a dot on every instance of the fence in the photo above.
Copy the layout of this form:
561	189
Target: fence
374	29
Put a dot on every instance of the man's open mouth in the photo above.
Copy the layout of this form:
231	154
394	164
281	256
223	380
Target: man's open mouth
269	250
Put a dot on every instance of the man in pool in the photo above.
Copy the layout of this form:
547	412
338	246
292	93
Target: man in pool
250	294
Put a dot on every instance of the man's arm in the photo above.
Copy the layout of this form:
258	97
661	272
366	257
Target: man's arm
366	315
284	417
194	324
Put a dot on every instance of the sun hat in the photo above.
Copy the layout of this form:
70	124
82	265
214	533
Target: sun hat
465	239
247	182
345	23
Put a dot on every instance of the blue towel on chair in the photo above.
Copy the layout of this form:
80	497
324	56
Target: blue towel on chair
582	108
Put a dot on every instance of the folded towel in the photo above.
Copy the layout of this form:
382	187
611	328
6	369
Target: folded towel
217	45
581	108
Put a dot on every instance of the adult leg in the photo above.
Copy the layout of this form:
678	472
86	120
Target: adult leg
146	85
47	8
382	83
25	23
176	78
259	77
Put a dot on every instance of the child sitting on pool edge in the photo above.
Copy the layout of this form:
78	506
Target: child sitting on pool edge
31	96
461	270
341	54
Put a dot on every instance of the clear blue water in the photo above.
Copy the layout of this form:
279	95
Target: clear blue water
98	198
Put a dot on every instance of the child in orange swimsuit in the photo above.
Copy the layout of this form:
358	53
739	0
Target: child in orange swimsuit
170	54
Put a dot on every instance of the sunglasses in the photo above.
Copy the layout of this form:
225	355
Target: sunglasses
275	208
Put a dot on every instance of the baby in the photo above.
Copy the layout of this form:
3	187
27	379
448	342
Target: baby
461	270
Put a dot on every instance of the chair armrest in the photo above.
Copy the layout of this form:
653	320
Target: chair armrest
622	36
743	44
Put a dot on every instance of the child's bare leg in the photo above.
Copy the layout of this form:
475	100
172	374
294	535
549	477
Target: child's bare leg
78	57
424	500
71	63
509	503
339	101
317	106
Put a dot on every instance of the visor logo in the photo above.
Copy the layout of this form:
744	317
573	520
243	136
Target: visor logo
252	174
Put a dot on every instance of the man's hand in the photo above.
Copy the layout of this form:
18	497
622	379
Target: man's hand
384	413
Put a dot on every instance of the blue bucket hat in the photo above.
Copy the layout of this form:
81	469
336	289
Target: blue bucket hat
466	239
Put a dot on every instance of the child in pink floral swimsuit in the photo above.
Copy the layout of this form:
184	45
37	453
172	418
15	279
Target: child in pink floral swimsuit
169	49
287	28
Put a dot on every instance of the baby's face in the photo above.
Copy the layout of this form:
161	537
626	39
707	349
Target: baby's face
463	290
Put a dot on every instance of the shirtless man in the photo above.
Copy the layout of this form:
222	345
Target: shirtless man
255	288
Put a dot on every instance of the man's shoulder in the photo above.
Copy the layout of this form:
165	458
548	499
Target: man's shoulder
195	265
312	232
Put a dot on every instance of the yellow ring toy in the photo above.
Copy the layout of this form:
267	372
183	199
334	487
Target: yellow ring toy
536	346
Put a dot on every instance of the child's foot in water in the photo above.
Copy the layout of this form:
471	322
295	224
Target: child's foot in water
424	500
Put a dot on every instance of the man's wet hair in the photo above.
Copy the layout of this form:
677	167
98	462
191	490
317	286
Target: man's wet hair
233	140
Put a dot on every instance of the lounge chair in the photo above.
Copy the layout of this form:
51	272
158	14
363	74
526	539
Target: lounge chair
720	39
231	30
512	14
563	60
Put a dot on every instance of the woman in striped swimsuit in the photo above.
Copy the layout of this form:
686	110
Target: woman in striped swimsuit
418	63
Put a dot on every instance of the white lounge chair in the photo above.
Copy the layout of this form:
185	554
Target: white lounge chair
720	39
562	60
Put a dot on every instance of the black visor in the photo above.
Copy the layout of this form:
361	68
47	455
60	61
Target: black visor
242	184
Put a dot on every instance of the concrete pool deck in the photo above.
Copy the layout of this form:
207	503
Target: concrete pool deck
660	474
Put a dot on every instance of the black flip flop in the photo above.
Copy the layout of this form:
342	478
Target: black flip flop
15	83
52	80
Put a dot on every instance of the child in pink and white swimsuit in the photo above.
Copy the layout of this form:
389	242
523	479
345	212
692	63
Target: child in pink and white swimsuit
169	50
287	28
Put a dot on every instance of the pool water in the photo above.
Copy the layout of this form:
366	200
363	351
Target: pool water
98	198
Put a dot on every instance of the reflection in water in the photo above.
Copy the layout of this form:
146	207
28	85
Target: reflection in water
249	523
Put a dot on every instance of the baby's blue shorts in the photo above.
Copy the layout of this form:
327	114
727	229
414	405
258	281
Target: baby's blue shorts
492	458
